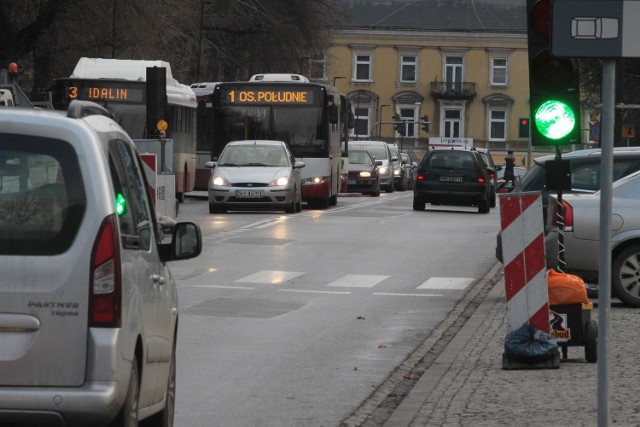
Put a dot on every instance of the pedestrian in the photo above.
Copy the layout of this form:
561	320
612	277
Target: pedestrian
509	163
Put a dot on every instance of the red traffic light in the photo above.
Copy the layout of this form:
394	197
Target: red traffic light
540	18
524	122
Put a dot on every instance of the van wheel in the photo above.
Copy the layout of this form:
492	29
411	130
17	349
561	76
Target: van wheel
483	207
492	199
418	205
625	272
164	418
128	415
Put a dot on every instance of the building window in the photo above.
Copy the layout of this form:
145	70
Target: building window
362	123
499	71
453	72
318	68
362	66
497	125
409	115
452	123
408	68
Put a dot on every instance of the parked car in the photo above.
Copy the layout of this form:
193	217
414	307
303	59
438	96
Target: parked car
585	175
89	308
399	173
582	237
380	151
363	173
410	170
453	176
507	187
491	168
255	174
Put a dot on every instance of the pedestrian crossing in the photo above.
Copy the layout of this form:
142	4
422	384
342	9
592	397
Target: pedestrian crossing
341	285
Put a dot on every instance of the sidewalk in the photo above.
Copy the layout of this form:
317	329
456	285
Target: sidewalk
466	385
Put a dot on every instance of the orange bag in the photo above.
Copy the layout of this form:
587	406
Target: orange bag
566	288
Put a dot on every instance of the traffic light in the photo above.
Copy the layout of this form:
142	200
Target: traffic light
398	124
523	128
425	123
553	83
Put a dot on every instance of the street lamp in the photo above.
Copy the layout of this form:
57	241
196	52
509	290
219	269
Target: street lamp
335	78
380	119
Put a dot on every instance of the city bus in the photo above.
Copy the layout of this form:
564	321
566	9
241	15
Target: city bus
121	86
204	132
312	118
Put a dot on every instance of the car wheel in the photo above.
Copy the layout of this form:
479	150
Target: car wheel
128	415
625	281
292	207
591	341
418	205
483	207
333	200
164	418
213	208
492	198
299	204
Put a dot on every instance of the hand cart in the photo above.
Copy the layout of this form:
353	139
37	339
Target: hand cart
571	325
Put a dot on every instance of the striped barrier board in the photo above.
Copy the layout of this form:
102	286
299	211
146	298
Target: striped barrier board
523	256
149	163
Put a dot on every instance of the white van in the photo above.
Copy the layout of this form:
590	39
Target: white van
380	151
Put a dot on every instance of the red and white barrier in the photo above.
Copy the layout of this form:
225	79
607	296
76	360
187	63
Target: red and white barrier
149	163
524	260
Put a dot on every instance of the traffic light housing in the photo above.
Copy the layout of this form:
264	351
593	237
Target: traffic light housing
523	128
398	124
425	123
553	83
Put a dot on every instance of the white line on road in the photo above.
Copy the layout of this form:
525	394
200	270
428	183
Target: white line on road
406	295
218	287
314	292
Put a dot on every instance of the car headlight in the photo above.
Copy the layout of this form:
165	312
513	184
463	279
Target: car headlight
279	182
365	174
220	181
383	170
397	171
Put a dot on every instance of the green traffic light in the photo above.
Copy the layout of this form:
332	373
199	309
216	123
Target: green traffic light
121	204
555	119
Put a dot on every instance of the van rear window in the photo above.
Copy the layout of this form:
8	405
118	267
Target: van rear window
42	197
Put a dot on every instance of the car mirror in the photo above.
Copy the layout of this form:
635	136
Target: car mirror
186	243
210	164
378	162
299	165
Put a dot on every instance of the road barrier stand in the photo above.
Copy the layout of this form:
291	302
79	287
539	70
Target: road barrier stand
525	272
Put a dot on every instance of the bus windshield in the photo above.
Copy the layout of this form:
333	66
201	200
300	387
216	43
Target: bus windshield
300	127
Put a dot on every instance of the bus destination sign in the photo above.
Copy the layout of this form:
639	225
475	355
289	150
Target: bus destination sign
104	91
267	96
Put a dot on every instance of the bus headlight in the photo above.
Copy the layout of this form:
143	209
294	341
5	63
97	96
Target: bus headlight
313	180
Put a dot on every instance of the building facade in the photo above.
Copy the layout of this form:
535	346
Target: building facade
426	72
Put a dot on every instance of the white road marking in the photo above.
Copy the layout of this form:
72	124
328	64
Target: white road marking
358	281
315	292
406	295
274	277
218	287
446	283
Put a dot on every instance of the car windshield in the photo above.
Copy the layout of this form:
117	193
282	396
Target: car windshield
253	155
451	160
359	158
378	151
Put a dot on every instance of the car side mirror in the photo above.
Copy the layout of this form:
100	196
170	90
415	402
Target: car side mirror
186	243
210	164
299	165
378	162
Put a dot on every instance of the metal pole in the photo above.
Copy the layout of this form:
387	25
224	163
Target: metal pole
380	120
561	259
604	259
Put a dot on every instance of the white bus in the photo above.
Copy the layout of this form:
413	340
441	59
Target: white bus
312	118
121	86
204	132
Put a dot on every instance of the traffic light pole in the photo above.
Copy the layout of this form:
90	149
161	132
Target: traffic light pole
561	219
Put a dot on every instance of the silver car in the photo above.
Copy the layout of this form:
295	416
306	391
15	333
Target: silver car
255	174
581	237
88	307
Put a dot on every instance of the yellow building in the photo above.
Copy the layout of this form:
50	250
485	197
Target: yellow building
465	71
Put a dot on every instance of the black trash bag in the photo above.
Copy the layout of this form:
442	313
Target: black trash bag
529	344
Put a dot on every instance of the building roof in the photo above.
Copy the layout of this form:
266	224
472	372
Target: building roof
435	15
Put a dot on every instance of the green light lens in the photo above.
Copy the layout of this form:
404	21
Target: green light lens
555	119
121	204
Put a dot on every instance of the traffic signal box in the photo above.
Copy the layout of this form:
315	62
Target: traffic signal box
398	124
523	128
553	83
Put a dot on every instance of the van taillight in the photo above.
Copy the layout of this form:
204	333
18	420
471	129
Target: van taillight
481	180
105	293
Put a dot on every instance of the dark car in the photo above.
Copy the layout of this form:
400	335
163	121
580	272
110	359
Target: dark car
488	160
363	176
453	176
585	175
399	172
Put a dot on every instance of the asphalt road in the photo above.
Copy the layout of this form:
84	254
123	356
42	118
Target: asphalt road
291	320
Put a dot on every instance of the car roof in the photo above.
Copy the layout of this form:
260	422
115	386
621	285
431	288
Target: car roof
257	142
589	152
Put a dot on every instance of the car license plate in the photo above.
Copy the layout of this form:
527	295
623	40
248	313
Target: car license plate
352	182
451	178
249	194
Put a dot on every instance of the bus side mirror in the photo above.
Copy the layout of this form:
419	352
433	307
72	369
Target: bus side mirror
333	114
